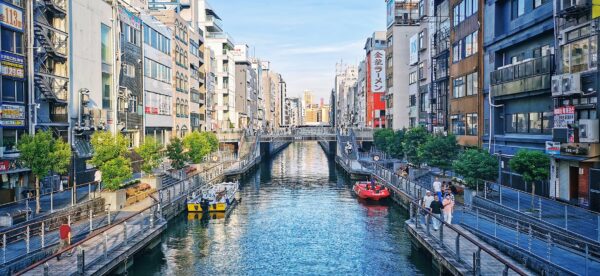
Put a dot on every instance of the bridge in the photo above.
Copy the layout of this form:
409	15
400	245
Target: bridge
298	134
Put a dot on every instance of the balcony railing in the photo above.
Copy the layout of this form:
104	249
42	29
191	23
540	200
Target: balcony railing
530	75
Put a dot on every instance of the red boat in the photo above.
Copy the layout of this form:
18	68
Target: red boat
365	190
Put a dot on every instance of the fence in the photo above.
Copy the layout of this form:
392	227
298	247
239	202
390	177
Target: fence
578	221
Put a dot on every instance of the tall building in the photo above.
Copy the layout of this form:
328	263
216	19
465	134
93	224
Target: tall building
421	69
575	168
360	102
345	87
293	116
244	87
466	97
376	80
440	41
519	46
402	24
256	65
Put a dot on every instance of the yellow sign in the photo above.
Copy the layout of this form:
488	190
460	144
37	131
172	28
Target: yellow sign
595	9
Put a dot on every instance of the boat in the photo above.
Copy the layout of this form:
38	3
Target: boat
366	191
217	198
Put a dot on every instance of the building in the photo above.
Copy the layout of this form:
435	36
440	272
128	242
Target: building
519	46
402	24
158	72
259	121
360	101
376	80
575	168
466	97
420	60
346	88
440	41
293	116
244	88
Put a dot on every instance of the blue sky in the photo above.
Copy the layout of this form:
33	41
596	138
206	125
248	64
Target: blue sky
303	39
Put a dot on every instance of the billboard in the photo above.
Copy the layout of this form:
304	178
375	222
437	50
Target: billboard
552	148
130	19
12	115
563	116
12	65
11	17
378	71
390	12
414	49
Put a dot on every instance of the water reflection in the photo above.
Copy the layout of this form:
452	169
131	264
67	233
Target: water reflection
298	216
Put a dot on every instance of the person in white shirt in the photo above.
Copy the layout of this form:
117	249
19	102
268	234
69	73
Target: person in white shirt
437	188
426	203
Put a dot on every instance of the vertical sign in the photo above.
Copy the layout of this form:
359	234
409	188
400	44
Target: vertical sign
378	71
563	116
414	49
390	11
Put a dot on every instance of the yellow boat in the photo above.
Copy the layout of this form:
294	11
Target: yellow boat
218	198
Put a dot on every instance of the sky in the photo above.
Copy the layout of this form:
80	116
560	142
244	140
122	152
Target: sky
303	39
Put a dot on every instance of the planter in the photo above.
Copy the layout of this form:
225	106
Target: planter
153	181
117	199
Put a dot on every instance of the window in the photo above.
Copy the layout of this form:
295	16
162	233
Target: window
463	10
129	70
413	100
156	40
157	104
130	34
579	55
106	44
421	8
423	102
465	47
12	41
472	124
421	71
547	122
459	88
517	123
458	125
10	138
157	71
518	8
106	89
421	40
412	77
13	90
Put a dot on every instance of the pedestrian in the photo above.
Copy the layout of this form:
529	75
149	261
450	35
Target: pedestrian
64	233
436	210
448	207
449	192
426	204
437	188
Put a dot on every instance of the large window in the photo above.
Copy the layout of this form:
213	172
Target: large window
579	55
10	138
106	44
458	124
422	40
12	41
465	86
465	47
130	34
156	40
413	100
157	104
518	8
194	49
13	90
157	71
412	77
533	122
106	89
472	124
464	10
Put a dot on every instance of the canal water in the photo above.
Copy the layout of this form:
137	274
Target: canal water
298	216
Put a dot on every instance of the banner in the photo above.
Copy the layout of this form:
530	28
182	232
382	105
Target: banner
13	112
414	50
563	116
12	65
552	148
11	17
128	18
378	71
391	14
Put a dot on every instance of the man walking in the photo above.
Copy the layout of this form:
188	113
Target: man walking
436	210
64	233
426	203
437	188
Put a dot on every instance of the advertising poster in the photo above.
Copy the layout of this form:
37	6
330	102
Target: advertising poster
378	71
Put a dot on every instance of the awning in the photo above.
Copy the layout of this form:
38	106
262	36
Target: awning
577	158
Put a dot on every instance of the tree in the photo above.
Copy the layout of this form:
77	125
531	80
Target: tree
176	154
150	153
382	138
394	147
212	139
439	151
413	139
197	146
43	153
475	165
110	156
533	166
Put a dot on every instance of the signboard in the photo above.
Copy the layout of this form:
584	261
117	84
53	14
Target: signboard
12	123
378	71
240	53
414	49
11	17
16	112
391	13
552	148
595	9
575	149
130	19
12	65
563	116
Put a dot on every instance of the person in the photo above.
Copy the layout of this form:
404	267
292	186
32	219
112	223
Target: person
448	207
452	188
64	233
437	188
373	183
449	192
426	203
436	210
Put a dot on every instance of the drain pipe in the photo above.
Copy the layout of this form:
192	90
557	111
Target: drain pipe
490	123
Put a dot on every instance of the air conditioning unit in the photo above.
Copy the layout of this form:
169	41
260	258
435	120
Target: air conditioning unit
571	84
556	85
588	131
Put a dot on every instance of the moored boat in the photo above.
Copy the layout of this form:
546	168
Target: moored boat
367	191
218	198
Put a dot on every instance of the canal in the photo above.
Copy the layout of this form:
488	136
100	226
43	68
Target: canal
297	216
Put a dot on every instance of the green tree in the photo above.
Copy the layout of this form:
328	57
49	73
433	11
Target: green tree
111	157
475	165
394	147
413	139
212	139
43	153
150	153
382	138
176	154
439	151
533	166
197	146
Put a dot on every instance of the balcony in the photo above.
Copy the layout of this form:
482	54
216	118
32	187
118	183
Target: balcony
441	42
526	76
213	23
573	8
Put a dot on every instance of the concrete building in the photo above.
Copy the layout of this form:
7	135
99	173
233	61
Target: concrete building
211	94
575	168
158	72
346	87
360	101
466	96
259	120
293	116
402	24
519	44
440	41
421	69
376	80
245	86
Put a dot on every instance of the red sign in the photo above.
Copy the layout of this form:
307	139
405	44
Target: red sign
569	109
4	165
